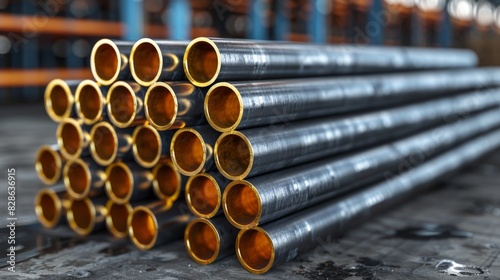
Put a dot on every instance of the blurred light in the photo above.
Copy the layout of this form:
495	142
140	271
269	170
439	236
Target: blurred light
236	25
60	48
202	19
461	9
323	6
497	17
79	8
5	45
153	6
4	4
81	48
484	13
407	3
430	5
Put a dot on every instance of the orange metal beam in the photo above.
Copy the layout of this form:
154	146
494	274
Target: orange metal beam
40	77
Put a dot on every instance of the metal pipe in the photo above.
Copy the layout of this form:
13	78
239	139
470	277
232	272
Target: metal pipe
110	143
48	164
126	104
238	105
204	193
258	249
73	138
151	61
157	223
246	153
59	99
109	61
192	149
50	205
167	181
87	215
208	60
90	102
84	178
258	200
149	145
128	182
174	105
208	240
116	219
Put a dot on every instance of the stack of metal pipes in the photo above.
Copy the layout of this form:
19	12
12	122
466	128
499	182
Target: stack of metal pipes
255	148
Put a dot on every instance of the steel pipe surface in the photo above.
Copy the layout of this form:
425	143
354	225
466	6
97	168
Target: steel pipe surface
149	145
59	99
87	215
126	104
90	100
109	143
84	178
49	164
50	205
204	193
109	61
128	182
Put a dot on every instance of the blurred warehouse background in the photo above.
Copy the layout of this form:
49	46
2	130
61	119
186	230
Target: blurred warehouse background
44	39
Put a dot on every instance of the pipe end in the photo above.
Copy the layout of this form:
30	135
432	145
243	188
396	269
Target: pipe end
122	104
77	178
81	216
70	138
242	205
142	228
202	241
203	195
48	208
166	181
161	106
188	151
146	62
202	62
120	182
116	220
105	62
234	155
147	146
255	250
48	165
90	102
103	144
58	100
223	107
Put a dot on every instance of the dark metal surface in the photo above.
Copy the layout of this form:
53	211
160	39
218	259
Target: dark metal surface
261	199
109	61
208	60
246	153
293	235
238	105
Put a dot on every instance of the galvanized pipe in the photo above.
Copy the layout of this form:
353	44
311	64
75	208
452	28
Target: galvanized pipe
154	60
90	102
238	105
204	193
258	249
109	143
174	105
116	218
59	99
73	138
258	200
167	181
50	205
109	61
128	182
208	240
149	145
126	104
192	149
156	223
246	153
208	60
49	164
84	178
87	215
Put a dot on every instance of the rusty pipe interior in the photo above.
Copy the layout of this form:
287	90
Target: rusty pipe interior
202	241
142	228
202	62
161	106
105	62
146	62
233	155
48	165
203	195
58	100
223	107
188	151
255	250
241	204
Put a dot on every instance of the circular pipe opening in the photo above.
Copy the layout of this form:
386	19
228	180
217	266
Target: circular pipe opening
116	220
81	214
203	195
105	62
146	146
166	181
233	155
70	138
202	241
223	107
104	143
48	208
121	104
48	165
161	106
120	182
143	228
58	100
255	250
90	102
202	62
188	151
77	178
146	62
242	204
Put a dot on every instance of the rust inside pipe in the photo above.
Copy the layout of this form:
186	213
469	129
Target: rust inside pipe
48	165
255	250
48	208
143	228
203	195
58	100
167	181
81	216
104	144
121	104
70	138
89	102
223	107
202	62
161	106
146	62
116	220
105	62
146	146
242	204
188	151
202	241
120	182
234	155
77	178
